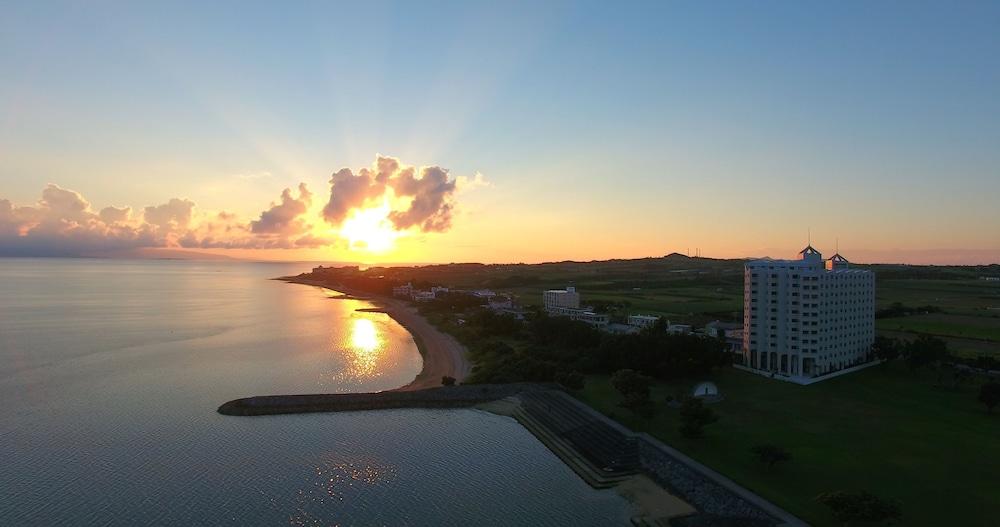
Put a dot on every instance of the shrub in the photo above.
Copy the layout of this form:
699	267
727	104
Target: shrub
695	416
573	379
859	507
989	395
771	454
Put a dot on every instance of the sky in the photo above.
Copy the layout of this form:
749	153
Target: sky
529	132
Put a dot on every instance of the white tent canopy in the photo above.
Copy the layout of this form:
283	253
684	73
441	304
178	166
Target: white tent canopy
705	389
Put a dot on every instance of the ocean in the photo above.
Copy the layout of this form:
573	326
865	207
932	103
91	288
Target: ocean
111	372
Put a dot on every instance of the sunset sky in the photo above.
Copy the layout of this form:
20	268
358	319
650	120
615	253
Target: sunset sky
506	133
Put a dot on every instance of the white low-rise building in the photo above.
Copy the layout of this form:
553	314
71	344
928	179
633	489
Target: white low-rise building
500	302
583	315
643	321
402	290
719	329
423	296
678	329
805	318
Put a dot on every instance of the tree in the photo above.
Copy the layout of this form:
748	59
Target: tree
886	349
633	385
634	388
771	454
926	350
572	379
989	395
695	416
448	381
859	507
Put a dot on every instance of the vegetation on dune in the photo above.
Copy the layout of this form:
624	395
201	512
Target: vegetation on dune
550	348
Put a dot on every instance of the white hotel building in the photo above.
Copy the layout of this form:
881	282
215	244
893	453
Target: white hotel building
807	317
561	298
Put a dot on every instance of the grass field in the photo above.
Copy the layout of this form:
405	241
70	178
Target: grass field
969	323
946	325
889	431
964	297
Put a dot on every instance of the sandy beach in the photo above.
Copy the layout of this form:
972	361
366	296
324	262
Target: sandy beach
442	354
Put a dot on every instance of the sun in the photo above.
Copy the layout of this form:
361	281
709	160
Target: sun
370	229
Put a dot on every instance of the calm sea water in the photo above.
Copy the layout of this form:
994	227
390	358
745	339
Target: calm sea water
111	371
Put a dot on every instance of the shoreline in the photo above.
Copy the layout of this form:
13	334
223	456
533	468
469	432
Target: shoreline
442	355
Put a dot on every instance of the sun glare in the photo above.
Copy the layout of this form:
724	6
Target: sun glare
364	336
365	347
370	230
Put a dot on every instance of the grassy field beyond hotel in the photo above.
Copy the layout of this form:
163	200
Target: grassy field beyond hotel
886	430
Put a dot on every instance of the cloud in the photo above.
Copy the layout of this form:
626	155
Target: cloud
63	223
424	202
171	215
464	183
430	208
285	217
111	215
349	191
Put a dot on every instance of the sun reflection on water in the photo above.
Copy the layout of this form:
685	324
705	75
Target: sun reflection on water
333	479
366	347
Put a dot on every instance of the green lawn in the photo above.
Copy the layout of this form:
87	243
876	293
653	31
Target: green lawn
888	431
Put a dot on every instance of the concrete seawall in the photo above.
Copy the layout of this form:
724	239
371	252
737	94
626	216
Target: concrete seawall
442	397
602	451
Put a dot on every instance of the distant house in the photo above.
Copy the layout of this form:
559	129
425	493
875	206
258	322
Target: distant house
678	329
500	302
643	321
423	296
483	293
718	329
403	290
438	289
621	329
